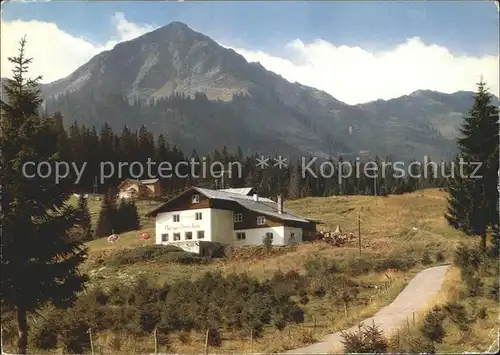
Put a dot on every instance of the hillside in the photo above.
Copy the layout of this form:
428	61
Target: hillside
397	230
182	83
401	235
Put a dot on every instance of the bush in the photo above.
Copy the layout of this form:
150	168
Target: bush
182	257
319	291
44	337
161	253
440	257
267	241
432	328
467	259
395	262
360	266
279	322
304	300
493	291
457	313
368	340
214	337
482	313
473	284
74	337
321	267
237	302
426	258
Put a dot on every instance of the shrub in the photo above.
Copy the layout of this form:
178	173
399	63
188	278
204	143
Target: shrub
74	337
44	337
279	322
482	313
360	266
467	259
368	340
426	258
493	291
304	300
432	327
182	257
440	257
457	313
161	253
319	292
214	337
267	241
473	284
321	267
395	262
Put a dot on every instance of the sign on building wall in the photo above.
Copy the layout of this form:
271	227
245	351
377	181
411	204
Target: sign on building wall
183	226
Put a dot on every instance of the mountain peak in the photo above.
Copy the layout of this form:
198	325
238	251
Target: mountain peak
175	27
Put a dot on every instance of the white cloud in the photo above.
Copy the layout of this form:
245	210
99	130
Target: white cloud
354	75
56	53
350	74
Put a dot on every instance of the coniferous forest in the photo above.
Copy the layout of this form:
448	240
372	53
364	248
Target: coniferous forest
301	178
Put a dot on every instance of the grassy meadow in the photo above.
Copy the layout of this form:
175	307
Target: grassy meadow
409	226
400	235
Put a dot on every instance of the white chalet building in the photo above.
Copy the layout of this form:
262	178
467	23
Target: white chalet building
232	217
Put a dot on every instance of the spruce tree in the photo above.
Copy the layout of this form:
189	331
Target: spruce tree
84	220
133	216
39	263
473	200
107	216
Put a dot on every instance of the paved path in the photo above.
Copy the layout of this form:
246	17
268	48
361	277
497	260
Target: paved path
413	298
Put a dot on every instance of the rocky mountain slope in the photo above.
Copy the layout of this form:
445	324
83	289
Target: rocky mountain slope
200	95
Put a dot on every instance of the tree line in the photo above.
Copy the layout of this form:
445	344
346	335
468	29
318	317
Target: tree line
302	178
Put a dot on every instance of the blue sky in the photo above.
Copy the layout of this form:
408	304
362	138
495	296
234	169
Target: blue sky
464	28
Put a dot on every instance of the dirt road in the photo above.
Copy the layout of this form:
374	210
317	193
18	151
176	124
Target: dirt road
413	298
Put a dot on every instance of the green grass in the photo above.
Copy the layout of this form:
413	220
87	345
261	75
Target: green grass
406	225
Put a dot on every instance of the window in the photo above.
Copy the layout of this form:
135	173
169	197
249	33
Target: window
196	198
269	235
177	218
261	220
200	234
292	235
177	236
188	235
164	237
238	217
198	216
241	235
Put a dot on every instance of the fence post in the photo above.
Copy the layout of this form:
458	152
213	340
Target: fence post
156	341
206	342
359	233
91	342
251	341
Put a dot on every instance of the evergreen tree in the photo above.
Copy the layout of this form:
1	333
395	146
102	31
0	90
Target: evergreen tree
473	200
133	215
293	190
39	263
105	224
84	220
126	217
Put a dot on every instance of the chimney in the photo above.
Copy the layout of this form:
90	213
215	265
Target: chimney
255	197
280	204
